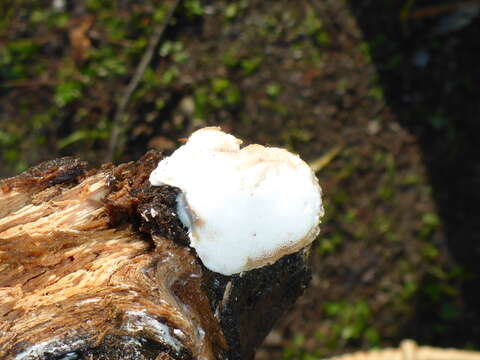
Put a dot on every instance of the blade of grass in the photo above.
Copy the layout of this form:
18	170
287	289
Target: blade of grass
321	162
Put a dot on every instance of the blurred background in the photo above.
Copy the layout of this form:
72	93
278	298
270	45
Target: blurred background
381	97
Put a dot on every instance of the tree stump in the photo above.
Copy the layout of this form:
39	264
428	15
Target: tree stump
95	264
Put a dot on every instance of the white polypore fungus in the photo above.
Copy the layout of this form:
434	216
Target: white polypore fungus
244	208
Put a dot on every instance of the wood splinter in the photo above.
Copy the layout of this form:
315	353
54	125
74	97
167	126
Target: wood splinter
95	264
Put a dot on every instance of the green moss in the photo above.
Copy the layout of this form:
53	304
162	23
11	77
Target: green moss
97	5
273	90
174	49
220	93
296	350
430	223
328	244
430	252
82	135
349	322
383	224
50	17
193	8
438	121
313	26
250	65
411	179
201	101
23	49
159	14
67	92
169	76
231	11
231	58
377	93
366	50
220	85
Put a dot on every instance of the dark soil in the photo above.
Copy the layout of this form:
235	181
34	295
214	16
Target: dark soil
398	255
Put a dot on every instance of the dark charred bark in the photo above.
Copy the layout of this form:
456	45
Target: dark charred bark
96	265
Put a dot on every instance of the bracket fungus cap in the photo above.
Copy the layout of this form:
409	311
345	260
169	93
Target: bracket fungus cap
244	208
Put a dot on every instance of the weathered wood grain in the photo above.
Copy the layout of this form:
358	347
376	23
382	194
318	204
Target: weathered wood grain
94	264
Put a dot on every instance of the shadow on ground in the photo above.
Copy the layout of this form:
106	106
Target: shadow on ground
430	74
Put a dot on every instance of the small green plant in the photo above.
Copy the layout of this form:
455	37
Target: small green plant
350	322
9	151
231	11
193	8
230	58
96	5
80	135
377	93
250	65
313	26
438	121
170	75
67	92
220	85
273	90
175	49
430	223
328	244
297	352
23	49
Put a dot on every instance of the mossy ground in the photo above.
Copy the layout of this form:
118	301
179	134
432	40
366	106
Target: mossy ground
397	256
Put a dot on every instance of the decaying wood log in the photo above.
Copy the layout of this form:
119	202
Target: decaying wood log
409	350
94	264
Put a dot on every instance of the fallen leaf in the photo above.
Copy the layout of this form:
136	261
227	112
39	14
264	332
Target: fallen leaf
161	143
78	36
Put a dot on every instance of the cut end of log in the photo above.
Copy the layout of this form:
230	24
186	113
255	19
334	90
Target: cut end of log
95	265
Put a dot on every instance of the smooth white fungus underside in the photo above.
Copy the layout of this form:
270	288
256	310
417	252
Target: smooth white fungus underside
244	208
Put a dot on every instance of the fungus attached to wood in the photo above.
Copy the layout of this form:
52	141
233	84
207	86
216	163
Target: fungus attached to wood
94	264
244	208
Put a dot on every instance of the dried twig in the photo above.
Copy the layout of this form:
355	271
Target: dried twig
119	122
441	9
30	83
